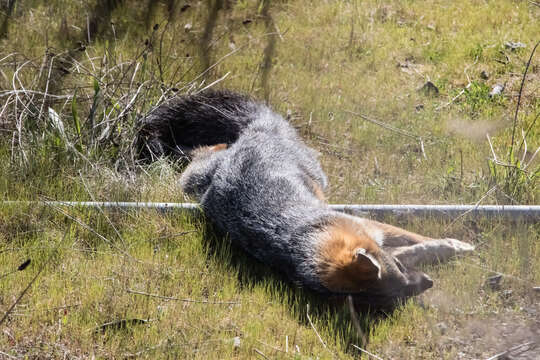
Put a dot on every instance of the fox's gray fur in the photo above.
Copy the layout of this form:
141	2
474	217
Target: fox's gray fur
263	189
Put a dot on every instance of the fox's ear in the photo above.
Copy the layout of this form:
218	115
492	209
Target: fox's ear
364	258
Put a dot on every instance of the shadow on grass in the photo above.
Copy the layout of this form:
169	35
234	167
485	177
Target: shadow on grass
332	311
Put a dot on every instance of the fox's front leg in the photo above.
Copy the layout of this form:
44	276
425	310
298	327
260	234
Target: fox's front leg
414	249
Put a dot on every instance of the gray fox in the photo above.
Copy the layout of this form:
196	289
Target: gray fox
258	182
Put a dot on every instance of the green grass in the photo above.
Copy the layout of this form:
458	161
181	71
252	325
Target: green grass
328	59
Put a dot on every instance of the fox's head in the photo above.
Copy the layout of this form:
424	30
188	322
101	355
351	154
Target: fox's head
350	261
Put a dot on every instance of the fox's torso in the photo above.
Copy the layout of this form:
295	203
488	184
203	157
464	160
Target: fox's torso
262	195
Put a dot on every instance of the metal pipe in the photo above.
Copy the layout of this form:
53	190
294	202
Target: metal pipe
511	211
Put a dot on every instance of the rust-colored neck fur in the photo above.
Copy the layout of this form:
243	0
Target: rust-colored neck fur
338	268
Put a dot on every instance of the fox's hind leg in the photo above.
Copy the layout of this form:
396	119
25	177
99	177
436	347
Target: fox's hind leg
198	174
431	252
414	249
391	236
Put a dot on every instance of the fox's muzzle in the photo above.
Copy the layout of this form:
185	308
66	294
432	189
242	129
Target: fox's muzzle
418	282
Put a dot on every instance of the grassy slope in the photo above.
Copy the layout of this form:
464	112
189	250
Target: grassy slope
332	57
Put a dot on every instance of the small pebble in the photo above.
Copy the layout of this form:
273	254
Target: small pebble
514	45
494	282
496	90
429	88
484	75
443	328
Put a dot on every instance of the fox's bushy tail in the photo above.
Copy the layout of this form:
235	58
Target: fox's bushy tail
184	123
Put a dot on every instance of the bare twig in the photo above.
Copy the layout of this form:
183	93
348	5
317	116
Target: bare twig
384	125
35	277
183	300
454	98
89	228
514	348
7	355
53	308
260	353
519	100
355	321
213	83
472	209
270	346
243	46
367	352
26	91
21	267
316	332
391	128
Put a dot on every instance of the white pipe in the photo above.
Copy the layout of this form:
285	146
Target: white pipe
512	211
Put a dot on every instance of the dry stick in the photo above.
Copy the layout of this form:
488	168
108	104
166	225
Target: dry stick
52	309
34	278
316	332
454	98
212	84
260	353
519	100
169	344
472	209
367	352
269	49
124	110
46	86
463	90
21	267
497	356
19	122
87	227
225	57
270	346
8	101
55	206
183	300
355	321
391	128
9	356
13	92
